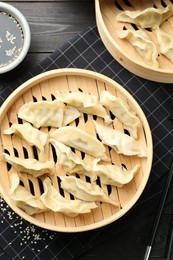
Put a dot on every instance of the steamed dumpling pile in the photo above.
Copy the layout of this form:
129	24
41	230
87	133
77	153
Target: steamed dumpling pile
65	138
150	18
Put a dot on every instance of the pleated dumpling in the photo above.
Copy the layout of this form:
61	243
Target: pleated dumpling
165	41
70	114
148	18
70	161
142	44
79	139
120	142
85	103
54	201
84	190
114	175
48	113
43	113
30	134
122	111
30	166
23	198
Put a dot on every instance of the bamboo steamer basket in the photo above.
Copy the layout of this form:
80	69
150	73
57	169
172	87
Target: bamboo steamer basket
121	50
43	87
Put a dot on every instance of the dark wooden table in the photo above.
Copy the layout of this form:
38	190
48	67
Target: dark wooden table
52	23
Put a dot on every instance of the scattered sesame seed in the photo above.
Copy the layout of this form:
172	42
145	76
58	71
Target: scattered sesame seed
27	233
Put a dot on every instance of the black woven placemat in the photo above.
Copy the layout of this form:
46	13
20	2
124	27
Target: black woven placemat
21	240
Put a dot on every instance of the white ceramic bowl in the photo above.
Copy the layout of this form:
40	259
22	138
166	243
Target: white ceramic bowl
21	23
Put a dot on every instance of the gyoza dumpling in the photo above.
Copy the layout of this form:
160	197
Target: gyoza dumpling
165	41
148	18
53	200
70	114
30	134
120	142
70	161
48	113
24	199
114	175
85	103
77	138
122	111
30	166
84	190
142	44
43	113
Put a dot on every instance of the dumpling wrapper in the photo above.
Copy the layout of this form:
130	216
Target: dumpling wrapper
165	41
31	135
114	175
43	113
70	161
70	114
30	166
78	139
84	190
85	103
148	18
120	142
122	111
48	113
54	201
142	44
23	198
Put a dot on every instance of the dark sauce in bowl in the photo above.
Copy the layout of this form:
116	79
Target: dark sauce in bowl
11	39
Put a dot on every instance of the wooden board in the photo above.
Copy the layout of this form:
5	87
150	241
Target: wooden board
52	24
121	50
43	87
